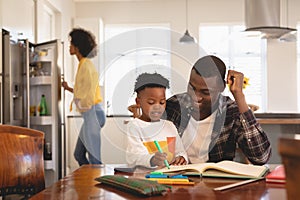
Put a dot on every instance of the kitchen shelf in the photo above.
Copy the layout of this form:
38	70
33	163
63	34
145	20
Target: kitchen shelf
43	61
43	74
40	80
41	120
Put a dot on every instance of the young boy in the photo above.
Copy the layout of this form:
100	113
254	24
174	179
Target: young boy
149	126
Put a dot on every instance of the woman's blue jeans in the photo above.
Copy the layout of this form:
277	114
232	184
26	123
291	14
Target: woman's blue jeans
89	139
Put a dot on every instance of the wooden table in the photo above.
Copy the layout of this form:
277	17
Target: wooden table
80	185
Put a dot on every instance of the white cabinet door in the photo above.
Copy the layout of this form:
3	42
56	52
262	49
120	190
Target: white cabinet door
113	147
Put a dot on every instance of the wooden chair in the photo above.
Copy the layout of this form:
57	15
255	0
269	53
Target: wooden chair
288	148
21	161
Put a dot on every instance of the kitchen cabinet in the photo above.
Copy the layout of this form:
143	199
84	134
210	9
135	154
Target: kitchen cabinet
277	125
113	145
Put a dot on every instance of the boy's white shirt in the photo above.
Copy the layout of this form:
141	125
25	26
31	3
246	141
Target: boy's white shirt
139	131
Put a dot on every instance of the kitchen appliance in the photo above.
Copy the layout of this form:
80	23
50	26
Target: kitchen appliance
265	17
30	71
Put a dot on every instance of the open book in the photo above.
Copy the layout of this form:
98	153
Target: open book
224	169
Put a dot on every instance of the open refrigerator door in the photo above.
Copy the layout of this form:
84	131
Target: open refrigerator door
30	71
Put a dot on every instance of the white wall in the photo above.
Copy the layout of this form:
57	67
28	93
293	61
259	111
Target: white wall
20	26
282	77
19	16
203	12
65	12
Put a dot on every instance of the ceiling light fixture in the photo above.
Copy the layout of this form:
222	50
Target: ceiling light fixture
187	38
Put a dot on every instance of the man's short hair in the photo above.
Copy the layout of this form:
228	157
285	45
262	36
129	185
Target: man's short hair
210	66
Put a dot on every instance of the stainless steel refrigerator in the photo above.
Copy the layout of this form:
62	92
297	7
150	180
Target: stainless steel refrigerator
30	71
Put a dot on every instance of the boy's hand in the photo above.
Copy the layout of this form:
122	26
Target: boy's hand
158	159
180	160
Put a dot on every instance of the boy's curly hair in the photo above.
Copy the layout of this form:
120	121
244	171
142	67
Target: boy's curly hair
150	80
85	42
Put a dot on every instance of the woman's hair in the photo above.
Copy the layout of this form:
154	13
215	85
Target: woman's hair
147	80
85	42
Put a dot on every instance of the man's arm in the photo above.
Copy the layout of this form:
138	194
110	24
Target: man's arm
253	140
236	80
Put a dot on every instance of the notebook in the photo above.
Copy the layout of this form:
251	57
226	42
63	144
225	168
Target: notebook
224	169
277	175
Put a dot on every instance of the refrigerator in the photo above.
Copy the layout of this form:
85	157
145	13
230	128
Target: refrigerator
29	73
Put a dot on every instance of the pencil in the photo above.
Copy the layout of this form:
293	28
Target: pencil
236	184
161	151
169	179
172	181
175	183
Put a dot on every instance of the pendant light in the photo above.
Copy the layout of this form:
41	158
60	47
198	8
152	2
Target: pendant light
187	38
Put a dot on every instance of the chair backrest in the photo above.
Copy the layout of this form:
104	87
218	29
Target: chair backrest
21	160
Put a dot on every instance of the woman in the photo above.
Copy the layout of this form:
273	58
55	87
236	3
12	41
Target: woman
87	97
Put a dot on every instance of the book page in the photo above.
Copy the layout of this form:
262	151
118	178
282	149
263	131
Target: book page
225	169
239	168
221	174
197	168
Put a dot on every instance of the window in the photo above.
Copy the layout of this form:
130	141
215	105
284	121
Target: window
239	52
129	51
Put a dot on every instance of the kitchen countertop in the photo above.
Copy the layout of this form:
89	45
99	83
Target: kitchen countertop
108	116
262	118
278	118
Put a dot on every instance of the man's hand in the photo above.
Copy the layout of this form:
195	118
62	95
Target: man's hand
235	80
179	160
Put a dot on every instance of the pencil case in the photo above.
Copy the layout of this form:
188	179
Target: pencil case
134	185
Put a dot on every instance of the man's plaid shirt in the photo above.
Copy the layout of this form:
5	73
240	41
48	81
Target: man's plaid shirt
231	129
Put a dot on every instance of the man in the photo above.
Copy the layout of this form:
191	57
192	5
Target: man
212	125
